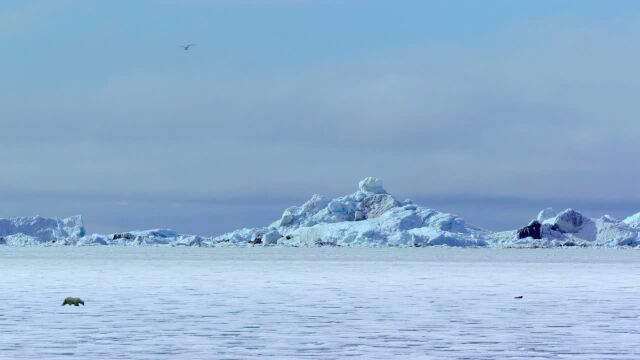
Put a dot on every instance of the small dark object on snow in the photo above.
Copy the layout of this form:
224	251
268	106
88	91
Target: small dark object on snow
532	230
256	241
518	297
126	236
76	301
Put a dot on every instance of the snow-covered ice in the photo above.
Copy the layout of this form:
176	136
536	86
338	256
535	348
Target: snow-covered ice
319	303
369	217
37	230
633	220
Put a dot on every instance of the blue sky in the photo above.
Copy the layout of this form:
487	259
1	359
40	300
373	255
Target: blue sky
489	109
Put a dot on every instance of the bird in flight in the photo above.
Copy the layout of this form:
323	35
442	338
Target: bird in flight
186	47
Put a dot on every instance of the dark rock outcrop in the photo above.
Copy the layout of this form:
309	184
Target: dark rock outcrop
126	236
532	230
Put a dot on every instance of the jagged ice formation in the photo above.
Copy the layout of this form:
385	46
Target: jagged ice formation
369	217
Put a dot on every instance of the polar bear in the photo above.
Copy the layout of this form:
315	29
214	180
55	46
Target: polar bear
72	301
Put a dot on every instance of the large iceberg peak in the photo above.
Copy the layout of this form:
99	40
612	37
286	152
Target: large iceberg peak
369	217
371	185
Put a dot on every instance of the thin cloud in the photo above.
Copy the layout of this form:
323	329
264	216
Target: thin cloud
24	15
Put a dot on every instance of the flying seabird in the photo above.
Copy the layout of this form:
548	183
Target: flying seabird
186	47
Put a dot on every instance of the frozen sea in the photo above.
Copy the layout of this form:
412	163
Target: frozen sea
319	303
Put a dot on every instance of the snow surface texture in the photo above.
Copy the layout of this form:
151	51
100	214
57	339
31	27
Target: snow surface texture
326	303
370	217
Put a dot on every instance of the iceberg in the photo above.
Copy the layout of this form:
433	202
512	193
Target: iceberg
369	217
38	230
158	237
571	228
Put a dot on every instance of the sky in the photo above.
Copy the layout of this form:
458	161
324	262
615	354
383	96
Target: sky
488	109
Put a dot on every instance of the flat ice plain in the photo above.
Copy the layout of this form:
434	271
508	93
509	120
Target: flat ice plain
319	303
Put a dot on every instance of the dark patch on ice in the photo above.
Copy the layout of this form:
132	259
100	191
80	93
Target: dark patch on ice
70	300
319	242
532	230
126	236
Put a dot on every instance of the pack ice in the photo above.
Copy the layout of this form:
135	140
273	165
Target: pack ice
38	230
369	217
